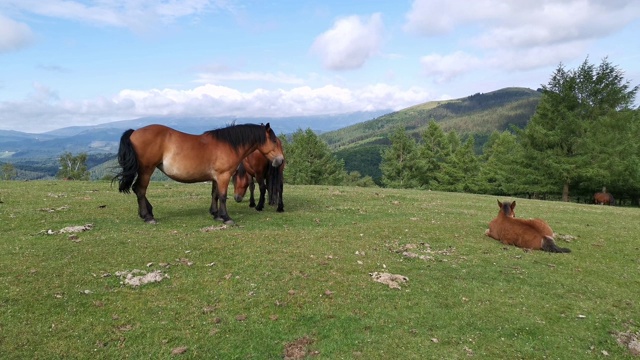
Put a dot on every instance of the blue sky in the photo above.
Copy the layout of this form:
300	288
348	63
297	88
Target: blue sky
72	62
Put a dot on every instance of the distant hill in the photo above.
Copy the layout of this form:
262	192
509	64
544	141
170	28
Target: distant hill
357	138
35	155
104	138
478	115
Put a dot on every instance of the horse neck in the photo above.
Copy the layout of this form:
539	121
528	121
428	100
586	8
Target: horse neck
245	151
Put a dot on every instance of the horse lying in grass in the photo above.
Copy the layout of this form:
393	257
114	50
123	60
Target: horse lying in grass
532	234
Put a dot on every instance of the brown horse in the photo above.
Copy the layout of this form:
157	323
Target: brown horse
268	177
532	234
603	198
212	156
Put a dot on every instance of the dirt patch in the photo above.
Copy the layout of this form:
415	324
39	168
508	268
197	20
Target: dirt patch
422	251
565	237
299	349
179	350
137	277
629	340
62	208
391	280
69	229
213	228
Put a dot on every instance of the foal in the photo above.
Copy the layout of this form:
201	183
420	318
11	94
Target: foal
532	234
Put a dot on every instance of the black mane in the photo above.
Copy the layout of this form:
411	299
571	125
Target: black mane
506	209
241	170
242	135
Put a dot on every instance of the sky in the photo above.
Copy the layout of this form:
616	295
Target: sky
85	62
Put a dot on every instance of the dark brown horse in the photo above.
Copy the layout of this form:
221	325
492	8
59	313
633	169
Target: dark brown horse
212	156
532	234
603	198
269	178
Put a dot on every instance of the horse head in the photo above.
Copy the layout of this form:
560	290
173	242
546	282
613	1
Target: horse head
272	147
241	181
507	209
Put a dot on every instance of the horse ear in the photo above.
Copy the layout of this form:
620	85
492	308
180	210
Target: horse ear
499	204
267	126
513	205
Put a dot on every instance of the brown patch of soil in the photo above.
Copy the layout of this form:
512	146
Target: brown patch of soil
298	349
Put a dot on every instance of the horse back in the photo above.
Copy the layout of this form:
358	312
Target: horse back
524	233
181	156
603	198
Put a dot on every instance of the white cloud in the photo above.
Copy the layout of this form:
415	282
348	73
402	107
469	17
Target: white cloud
45	111
523	22
13	35
350	42
516	35
137	15
446	67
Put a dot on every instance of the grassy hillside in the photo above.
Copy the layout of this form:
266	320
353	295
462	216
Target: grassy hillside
478	114
298	282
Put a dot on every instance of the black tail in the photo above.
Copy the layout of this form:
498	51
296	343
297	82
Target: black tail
549	245
275	180
128	161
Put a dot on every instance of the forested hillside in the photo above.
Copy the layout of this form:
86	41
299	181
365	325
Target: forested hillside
577	136
477	115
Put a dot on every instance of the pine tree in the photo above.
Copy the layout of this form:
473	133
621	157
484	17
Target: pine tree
556	140
432	153
461	170
310	161
399	161
502	172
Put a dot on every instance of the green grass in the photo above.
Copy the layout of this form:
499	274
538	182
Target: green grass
302	274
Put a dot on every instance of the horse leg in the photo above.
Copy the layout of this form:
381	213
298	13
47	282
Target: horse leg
145	210
213	209
263	190
223	184
252	188
280	203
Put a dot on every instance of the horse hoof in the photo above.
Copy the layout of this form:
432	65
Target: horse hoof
151	221
229	222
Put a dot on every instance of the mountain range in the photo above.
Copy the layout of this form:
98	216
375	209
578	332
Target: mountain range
104	138
356	138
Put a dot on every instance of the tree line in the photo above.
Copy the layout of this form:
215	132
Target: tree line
581	138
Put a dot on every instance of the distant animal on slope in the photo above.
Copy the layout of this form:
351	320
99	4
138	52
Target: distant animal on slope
269	178
212	156
532	234
603	198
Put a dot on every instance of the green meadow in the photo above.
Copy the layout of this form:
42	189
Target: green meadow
298	284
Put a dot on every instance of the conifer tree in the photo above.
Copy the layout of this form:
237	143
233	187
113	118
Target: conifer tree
399	161
573	103
433	151
310	161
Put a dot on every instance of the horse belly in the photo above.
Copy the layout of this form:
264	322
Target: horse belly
185	172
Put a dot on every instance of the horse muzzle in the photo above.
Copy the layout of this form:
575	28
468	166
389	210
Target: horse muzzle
277	161
238	198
